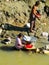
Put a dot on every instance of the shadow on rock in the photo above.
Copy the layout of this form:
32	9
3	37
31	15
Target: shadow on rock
15	28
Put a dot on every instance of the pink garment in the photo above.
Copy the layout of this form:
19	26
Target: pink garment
18	43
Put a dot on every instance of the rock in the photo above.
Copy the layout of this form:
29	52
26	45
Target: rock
28	25
29	6
46	51
24	13
47	47
44	1
7	40
7	0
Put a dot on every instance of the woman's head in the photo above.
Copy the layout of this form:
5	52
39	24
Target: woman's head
37	3
20	35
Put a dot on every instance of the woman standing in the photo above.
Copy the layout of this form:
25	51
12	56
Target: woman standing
34	14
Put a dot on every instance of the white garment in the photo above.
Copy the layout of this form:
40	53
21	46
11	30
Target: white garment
0	31
45	34
18	43
27	38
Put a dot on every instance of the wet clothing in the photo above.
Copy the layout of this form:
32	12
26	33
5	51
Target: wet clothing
32	19
33	15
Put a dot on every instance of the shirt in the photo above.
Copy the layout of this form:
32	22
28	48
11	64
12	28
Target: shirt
18	43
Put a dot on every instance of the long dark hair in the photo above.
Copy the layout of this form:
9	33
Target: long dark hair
20	35
37	3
